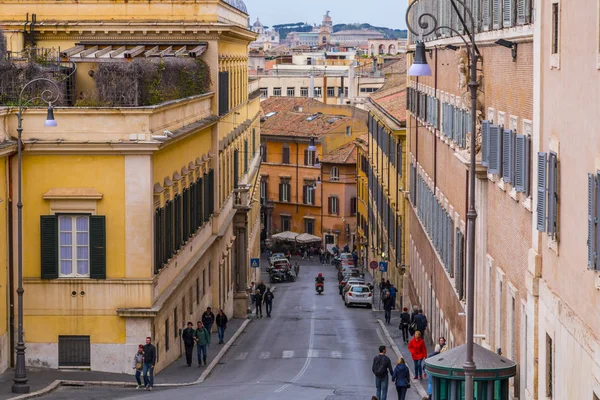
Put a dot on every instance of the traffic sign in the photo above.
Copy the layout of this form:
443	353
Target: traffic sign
383	266
254	263
373	264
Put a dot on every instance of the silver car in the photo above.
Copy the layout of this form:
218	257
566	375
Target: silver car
359	294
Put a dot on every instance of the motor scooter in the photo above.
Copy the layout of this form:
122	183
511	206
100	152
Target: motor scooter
319	288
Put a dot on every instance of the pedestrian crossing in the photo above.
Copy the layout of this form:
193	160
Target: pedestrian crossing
289	354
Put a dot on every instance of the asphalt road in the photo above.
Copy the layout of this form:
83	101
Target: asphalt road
312	348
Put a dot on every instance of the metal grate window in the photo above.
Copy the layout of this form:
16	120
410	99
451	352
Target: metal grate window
74	351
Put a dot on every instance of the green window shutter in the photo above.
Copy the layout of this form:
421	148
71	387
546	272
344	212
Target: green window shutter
541	192
97	247
552	193
485	142
495	150
49	246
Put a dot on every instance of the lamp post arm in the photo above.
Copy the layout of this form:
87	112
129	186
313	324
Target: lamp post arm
48	96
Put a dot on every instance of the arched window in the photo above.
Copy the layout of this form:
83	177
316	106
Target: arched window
335	174
324	40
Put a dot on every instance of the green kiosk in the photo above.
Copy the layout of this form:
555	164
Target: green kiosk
491	377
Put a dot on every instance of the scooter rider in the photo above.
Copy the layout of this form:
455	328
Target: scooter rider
319	280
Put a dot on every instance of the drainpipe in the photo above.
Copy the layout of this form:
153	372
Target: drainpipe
11	279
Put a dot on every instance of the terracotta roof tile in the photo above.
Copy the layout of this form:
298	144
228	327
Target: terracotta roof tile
290	121
345	154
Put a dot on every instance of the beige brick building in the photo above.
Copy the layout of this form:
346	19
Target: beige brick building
438	132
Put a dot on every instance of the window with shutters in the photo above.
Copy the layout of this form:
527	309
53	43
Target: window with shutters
555	27
308	193
73	246
223	92
552	194
541	192
318	92
263	152
593	216
303	92
508	155
285	159
264	92
522	164
291	92
277	92
331	91
309	226
263	191
523	12
494	150
508	13
496	14
486	14
309	157
334	205
286	223
335	174
167	334
353	206
285	190
245	156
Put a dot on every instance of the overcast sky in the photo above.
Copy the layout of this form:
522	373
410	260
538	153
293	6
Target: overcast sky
388	13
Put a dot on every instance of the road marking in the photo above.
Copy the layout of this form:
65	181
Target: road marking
329	308
313	354
336	354
241	356
264	355
288	354
311	343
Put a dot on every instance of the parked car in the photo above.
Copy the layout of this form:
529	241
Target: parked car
352	281
278	263
359	294
345	280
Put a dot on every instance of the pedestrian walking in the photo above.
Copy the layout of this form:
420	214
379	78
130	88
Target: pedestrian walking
252	290
262	287
381	366
418	351
138	365
149	361
401	377
393	292
420	322
297	269
322	259
387	307
404	323
269	302
188	342
259	300
208	318
202	338
221	321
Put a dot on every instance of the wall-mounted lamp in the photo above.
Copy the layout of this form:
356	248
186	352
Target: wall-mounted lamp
509	45
450	47
317	163
312	146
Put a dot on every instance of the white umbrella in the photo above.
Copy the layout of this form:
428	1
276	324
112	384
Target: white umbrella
285	236
307	238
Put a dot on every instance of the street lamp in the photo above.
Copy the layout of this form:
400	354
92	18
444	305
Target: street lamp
420	68
48	96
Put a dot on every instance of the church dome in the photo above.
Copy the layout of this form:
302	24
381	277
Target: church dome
239	4
258	24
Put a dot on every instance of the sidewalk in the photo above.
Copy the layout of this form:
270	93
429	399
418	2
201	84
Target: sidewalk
176	373
395	335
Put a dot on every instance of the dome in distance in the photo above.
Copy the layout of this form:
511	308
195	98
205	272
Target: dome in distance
258	24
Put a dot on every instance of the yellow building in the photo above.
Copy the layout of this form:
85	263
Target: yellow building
144	213
362	191
386	201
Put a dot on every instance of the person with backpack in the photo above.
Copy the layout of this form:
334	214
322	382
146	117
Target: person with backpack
401	377
387	307
420	320
221	321
202	338
404	323
381	366
269	302
258	297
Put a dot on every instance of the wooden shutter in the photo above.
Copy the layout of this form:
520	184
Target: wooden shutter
449	248
286	155
49	246
245	156
592	221
200	203
305	157
460	265
168	231
523	11
223	92
485	142
157	244
211	196
163	238
486	15
497	14
495	150
304	194
186	214
330	205
206	198
541	192
552	193
281	191
596	216
476	11
507	13
507	156
521	163
236	168
97	247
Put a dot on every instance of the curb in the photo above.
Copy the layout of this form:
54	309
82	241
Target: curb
421	391
64	382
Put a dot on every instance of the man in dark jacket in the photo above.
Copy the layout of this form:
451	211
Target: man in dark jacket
404	323
258	298
208	318
149	361
188	341
262	287
388	303
221	321
421	322
381	366
269	301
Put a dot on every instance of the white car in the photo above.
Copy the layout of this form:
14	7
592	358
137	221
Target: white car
351	282
359	294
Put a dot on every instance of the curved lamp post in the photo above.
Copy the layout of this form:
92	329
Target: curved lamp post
428	24
48	96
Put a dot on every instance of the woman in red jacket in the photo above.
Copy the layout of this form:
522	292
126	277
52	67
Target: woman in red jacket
419	353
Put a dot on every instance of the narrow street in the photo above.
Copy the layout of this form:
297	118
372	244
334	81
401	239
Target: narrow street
312	348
